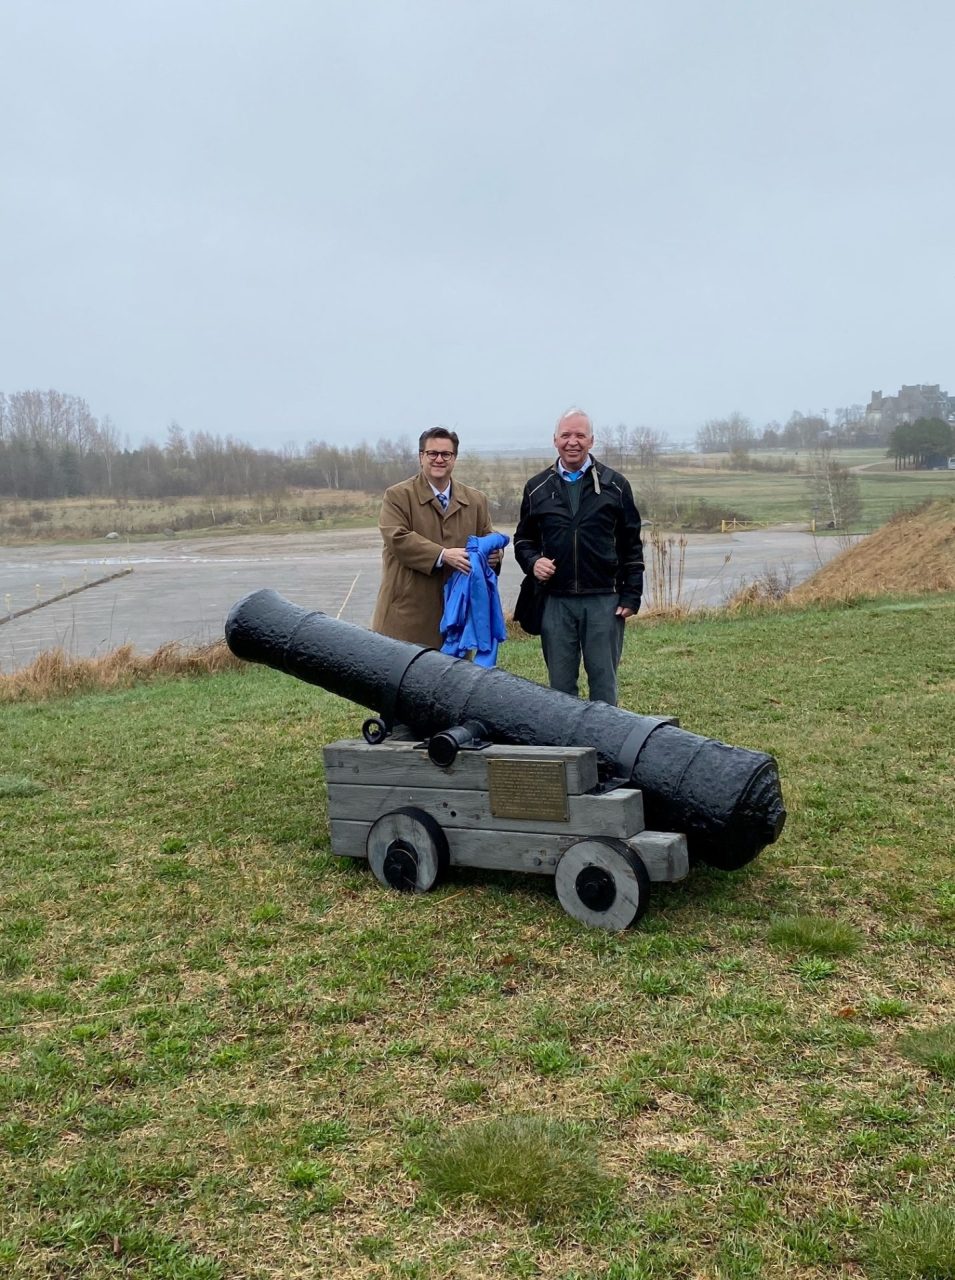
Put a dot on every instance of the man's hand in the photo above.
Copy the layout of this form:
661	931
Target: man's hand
457	558
624	612
495	557
544	569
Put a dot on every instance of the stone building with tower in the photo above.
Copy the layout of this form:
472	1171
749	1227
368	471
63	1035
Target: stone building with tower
884	413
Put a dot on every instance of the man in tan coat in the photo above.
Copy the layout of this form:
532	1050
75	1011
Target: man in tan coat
425	523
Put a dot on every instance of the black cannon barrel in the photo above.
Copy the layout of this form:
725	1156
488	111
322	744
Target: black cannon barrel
726	799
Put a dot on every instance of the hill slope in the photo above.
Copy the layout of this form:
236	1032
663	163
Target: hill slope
913	553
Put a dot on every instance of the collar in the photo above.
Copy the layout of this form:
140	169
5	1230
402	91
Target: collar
438	492
425	491
562	470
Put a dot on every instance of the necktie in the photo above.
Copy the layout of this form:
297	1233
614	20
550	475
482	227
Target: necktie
571	476
443	499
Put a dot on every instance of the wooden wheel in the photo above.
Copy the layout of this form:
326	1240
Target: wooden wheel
603	883
407	850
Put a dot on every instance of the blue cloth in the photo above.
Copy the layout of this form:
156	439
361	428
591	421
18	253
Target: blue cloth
473	617
572	475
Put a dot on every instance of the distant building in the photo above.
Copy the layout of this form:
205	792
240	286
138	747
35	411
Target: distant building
884	413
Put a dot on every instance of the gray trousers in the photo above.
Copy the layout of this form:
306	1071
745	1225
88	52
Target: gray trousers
587	626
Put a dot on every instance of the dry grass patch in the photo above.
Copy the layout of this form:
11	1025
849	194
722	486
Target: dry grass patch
56	673
72	519
913	553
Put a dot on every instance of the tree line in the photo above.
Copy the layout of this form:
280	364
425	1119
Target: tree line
51	446
737	435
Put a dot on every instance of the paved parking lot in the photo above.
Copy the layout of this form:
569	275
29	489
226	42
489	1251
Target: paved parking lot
182	589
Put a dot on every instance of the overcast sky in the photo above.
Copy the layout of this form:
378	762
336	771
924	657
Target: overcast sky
315	219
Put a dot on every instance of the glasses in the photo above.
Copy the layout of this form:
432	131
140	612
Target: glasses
434	454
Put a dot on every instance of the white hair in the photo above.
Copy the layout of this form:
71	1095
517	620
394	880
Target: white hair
574	412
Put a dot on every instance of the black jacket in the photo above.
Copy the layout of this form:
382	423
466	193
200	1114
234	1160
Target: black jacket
597	551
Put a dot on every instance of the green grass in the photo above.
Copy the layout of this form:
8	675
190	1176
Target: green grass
528	1164
224	1052
12	786
933	1048
913	1242
774	498
816	934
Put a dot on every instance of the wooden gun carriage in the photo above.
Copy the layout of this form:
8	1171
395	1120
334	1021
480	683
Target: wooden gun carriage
538	810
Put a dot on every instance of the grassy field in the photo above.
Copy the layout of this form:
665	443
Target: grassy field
83	519
766	497
782	498
225	1053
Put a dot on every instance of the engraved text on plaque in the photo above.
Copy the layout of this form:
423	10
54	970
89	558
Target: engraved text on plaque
529	789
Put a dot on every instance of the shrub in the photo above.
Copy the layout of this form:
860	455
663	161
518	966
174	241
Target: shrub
769	588
697	516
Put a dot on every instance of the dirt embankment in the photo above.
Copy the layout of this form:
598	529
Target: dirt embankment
913	553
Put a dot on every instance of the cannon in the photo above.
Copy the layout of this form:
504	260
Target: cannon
720	804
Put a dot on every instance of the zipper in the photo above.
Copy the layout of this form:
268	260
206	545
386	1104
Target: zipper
576	578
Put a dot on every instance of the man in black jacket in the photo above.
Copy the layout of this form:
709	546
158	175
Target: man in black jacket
579	535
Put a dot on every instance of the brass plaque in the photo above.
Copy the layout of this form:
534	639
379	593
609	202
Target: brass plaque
529	789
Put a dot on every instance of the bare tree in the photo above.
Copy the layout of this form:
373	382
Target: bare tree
734	434
613	445
805	430
106	442
646	445
833	489
650	495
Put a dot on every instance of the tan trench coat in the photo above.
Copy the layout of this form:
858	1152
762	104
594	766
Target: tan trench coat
414	529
